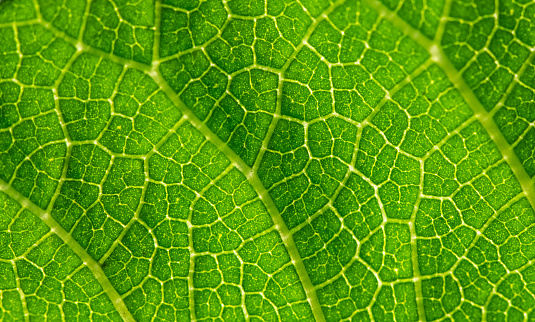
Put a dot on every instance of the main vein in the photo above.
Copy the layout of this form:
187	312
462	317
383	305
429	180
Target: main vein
229	153
481	114
260	190
73	244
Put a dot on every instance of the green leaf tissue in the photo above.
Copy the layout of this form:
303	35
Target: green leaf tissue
267	160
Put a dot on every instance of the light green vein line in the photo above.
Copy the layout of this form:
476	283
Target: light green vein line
260	189
68	240
244	168
481	114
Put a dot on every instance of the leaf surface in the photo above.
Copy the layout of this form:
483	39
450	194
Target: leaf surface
267	160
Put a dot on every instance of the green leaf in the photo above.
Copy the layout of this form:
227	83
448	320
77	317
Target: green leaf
315	160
